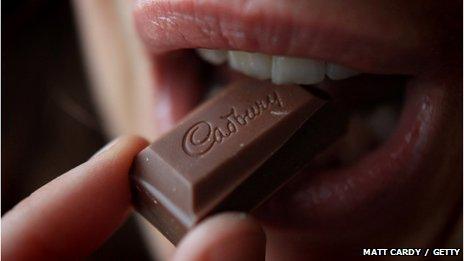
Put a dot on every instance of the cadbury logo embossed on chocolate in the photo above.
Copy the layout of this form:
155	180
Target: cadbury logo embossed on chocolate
203	135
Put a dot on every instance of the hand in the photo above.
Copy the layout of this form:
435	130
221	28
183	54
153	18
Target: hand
75	213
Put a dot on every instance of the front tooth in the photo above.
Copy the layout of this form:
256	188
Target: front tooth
252	64
338	72
296	70
213	56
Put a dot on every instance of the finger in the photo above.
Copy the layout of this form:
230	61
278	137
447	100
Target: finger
73	214
226	237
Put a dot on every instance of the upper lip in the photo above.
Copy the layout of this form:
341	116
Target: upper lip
359	39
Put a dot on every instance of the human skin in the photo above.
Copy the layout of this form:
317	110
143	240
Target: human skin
71	216
414	201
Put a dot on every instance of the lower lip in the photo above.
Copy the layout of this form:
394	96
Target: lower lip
327	200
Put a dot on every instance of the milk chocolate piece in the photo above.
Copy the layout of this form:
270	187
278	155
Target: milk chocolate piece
231	153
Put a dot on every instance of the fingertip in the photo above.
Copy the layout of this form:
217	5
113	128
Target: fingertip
229	236
73	214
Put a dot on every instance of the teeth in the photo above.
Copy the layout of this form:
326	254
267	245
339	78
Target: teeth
296	70
213	56
357	141
280	69
214	89
338	72
382	121
252	64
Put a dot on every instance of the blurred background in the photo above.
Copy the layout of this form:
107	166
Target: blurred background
49	123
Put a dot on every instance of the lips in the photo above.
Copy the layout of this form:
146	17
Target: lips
327	199
392	177
375	42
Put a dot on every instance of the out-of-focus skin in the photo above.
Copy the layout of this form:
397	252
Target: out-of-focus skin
76	212
141	90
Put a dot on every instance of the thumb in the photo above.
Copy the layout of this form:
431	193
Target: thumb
225	237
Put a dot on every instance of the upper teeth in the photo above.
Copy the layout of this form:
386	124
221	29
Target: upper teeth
280	69
297	70
253	64
338	72
213	56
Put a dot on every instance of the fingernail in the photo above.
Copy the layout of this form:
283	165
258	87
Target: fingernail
105	148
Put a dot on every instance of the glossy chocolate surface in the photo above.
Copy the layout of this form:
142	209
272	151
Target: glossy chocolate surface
231	153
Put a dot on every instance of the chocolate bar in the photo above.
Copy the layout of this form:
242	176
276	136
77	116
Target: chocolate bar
231	153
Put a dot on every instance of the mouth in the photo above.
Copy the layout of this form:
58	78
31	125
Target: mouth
391	89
